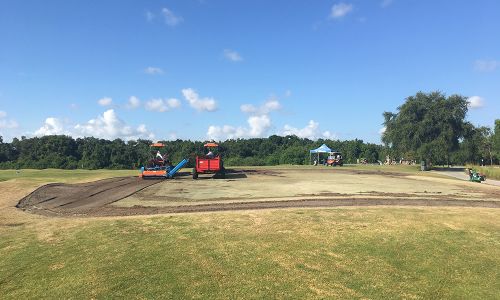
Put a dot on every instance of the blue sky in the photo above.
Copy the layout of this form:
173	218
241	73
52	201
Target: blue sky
225	69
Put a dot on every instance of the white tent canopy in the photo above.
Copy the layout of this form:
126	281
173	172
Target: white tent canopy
321	149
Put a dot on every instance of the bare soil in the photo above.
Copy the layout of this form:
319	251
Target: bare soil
81	198
254	189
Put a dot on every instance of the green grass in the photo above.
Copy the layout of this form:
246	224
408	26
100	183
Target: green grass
491	172
58	175
382	253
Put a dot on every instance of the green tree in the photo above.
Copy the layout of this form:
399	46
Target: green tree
495	139
428	126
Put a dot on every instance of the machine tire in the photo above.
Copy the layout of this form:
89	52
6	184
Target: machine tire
195	174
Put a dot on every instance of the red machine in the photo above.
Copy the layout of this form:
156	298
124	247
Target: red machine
209	163
335	159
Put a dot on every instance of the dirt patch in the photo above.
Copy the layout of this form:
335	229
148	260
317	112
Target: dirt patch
282	188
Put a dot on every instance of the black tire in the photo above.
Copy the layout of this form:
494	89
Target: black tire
195	174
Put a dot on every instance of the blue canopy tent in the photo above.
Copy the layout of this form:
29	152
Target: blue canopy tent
321	149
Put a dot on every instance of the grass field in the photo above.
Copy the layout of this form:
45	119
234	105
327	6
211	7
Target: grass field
379	253
57	175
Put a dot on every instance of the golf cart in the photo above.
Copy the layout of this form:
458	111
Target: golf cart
335	159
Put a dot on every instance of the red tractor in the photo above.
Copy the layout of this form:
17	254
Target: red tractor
209	163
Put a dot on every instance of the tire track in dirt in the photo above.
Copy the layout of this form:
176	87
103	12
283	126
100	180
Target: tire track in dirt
303	203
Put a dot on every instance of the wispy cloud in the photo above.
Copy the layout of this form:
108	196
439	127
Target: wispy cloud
341	9
269	106
171	19
106	101
386	3
483	65
7	123
232	55
153	71
133	102
149	16
198	103
475	102
162	105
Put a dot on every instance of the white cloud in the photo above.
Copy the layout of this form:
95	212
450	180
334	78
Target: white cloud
248	108
382	130
310	131
7	123
217	133
258	126
482	65
288	93
106	101
51	126
200	104
232	55
153	71
110	126
475	102
162	105
340	10
329	135
133	102
269	106
385	3
258	122
171	19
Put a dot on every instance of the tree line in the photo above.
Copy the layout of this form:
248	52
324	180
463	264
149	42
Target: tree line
427	126
59	151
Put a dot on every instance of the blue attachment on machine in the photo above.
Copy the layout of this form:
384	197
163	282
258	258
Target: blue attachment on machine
172	172
162	171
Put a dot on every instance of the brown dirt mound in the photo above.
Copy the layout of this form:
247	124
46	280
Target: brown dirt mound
80	199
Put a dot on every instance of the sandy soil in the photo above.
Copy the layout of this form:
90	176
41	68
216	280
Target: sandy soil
256	189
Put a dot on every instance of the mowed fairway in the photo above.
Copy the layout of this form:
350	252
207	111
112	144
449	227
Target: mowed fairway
357	252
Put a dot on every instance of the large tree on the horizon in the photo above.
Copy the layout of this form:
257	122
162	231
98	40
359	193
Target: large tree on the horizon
427	126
